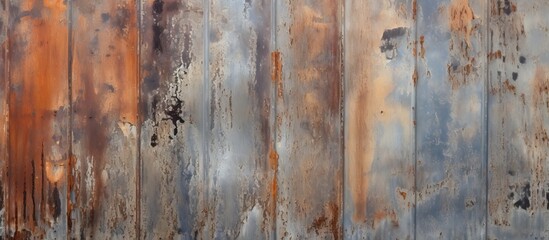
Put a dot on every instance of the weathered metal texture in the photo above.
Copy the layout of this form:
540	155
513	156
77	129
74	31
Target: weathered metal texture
451	159
309	119
173	187
104	116
518	120
264	119
36	169
379	130
4	108
239	173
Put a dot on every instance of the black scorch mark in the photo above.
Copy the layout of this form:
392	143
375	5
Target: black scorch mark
524	201
55	203
522	59
154	140
157	9
389	41
173	112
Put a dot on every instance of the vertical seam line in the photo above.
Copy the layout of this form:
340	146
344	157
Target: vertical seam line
71	117
486	99
343	111
274	100
139	159
414	111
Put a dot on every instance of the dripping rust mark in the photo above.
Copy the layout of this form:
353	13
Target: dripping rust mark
389	41
97	109
276	71
55	203
37	86
328	221
273	163
93	124
414	10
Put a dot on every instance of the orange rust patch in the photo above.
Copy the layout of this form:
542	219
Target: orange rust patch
276	71
371	85
38	136
461	16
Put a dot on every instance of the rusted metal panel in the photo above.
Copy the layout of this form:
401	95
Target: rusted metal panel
451	163
518	120
379	131
308	119
104	105
239	174
4	108
36	185
173	189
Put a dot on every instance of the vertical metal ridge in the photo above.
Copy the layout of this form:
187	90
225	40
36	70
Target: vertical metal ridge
206	103
70	60
139	163
273	115
485	115
342	111
7	74
414	110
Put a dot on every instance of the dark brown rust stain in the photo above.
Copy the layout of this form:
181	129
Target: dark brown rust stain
329	221
38	41
101	58
276	72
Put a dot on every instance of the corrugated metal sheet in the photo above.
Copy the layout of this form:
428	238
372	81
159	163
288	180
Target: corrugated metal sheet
274	119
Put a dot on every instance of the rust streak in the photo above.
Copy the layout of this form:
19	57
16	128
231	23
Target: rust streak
276	71
371	85
38	82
